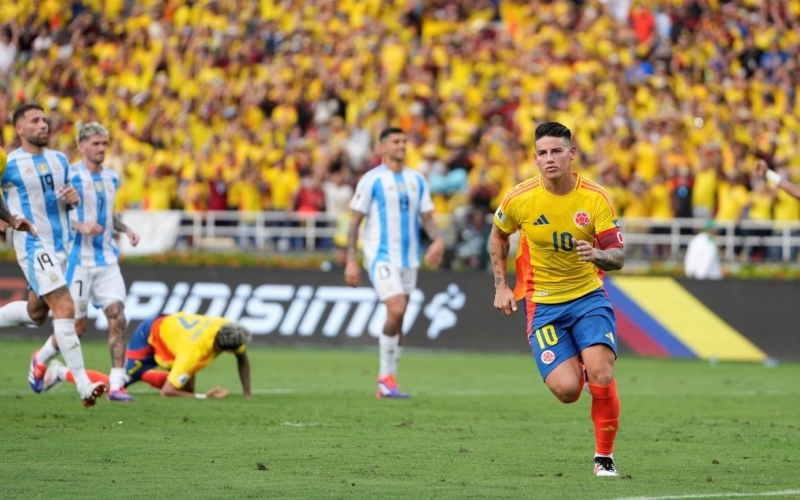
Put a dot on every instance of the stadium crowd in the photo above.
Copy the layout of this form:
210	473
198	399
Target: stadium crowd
274	105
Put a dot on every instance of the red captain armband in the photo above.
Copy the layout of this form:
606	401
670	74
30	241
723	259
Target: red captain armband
611	238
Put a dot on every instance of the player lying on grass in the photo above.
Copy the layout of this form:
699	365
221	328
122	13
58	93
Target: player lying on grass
181	343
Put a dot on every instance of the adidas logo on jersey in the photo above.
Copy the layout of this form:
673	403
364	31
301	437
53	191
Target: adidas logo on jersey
541	221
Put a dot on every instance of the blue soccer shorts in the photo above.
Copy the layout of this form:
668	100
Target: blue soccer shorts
557	332
140	355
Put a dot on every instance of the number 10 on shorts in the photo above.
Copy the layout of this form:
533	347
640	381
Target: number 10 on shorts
546	336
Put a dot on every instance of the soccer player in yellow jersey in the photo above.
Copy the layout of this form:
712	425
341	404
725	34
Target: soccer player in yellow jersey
569	237
182	343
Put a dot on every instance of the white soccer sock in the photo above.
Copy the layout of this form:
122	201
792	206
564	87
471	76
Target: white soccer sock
15	314
396	360
70	346
116	379
389	353
47	352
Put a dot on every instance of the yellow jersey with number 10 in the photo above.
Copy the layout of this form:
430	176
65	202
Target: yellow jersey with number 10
548	269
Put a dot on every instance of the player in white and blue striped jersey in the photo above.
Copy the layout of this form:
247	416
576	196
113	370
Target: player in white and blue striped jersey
93	271
36	186
397	204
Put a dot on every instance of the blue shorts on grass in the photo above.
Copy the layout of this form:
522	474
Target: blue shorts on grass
557	332
140	355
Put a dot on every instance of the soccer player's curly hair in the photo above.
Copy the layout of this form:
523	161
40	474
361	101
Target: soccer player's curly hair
233	335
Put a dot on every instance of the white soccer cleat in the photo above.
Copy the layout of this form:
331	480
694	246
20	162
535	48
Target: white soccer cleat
52	375
91	393
604	467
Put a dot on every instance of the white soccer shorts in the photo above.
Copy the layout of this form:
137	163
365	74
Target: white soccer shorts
99	286
389	280
45	272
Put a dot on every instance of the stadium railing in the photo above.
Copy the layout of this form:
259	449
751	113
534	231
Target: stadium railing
264	229
645	239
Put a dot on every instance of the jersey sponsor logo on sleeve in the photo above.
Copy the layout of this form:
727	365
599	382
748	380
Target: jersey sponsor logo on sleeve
548	357
500	215
581	218
183	379
616	223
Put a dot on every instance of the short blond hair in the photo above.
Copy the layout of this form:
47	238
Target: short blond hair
91	129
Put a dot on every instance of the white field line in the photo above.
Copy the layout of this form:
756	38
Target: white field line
717	495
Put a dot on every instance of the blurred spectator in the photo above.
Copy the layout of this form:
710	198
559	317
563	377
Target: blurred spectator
249	194
189	88
338	193
309	200
9	46
702	260
472	250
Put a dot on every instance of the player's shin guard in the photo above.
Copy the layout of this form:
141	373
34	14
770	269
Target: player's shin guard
70	346
605	416
15	314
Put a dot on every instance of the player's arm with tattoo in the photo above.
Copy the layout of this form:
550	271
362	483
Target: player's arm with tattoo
435	252
17	224
610	260
499	247
119	225
5	213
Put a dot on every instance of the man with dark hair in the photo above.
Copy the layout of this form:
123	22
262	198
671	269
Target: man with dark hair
569	237
36	185
184	344
395	201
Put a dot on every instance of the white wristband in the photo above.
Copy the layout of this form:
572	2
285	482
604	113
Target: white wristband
773	177
200	396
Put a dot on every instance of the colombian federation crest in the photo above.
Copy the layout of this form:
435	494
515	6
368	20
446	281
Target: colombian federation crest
581	218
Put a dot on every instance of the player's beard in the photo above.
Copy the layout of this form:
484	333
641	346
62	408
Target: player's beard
39	141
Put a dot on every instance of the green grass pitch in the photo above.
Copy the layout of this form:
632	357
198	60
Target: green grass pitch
478	426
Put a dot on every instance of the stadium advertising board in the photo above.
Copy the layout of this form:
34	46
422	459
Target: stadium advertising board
447	310
724	320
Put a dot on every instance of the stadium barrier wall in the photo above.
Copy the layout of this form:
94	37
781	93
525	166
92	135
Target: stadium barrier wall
302	307
662	317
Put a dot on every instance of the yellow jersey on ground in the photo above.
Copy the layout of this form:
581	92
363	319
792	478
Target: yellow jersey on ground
548	269
184	344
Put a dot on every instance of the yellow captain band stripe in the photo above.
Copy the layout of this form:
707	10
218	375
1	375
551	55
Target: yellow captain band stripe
688	319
